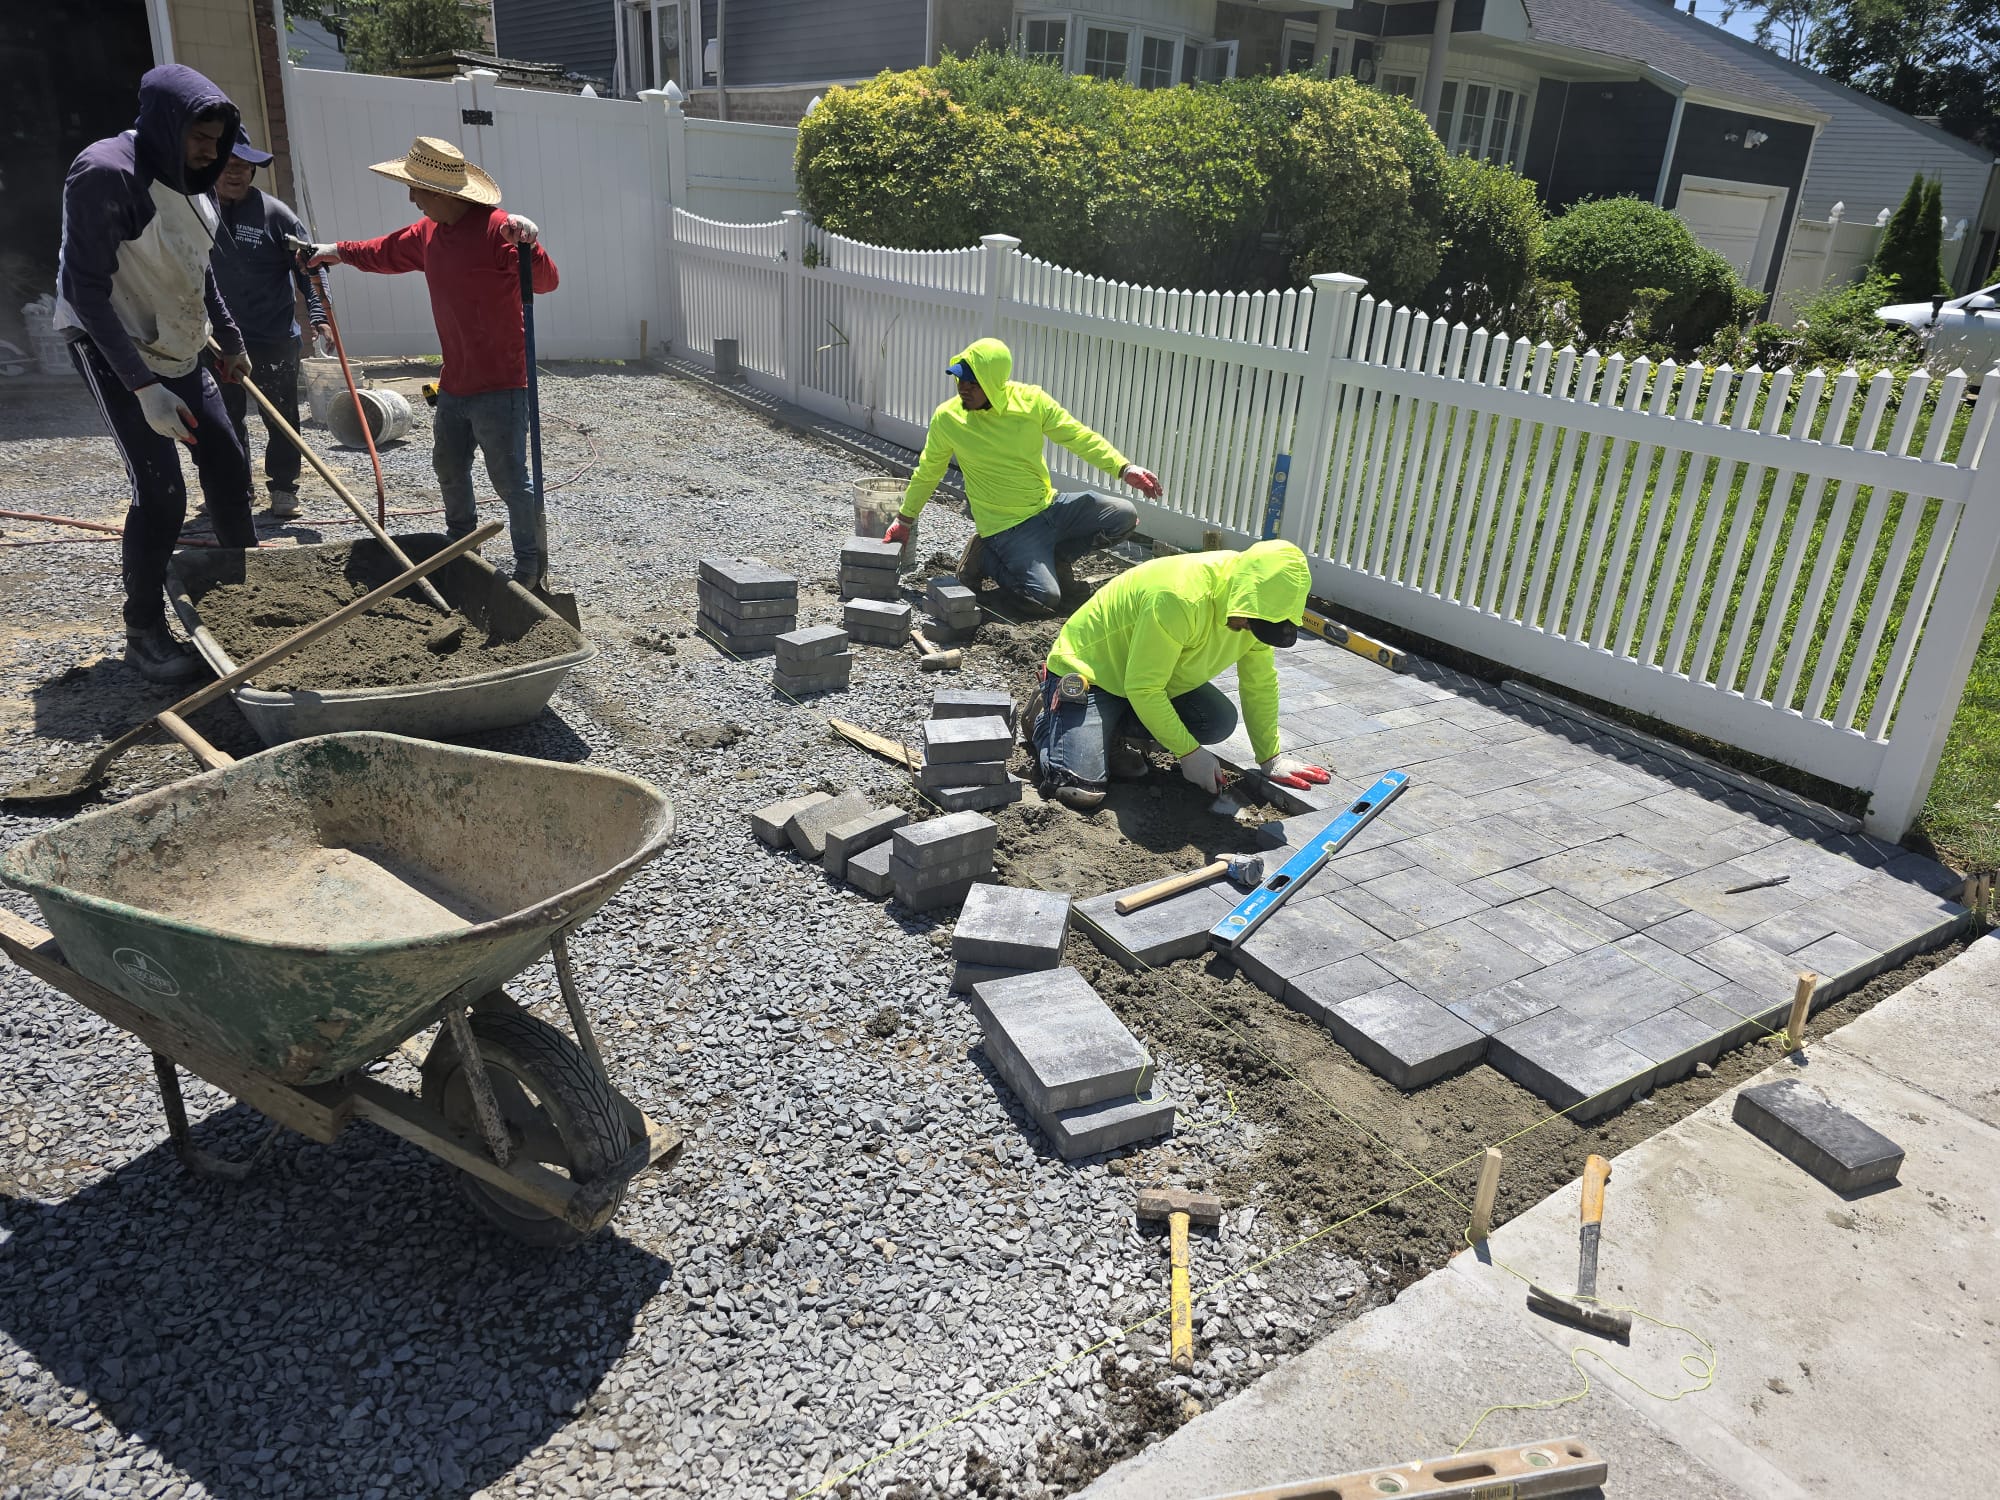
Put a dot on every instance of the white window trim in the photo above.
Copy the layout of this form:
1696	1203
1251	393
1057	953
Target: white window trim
1302	31
1525	114
1078	22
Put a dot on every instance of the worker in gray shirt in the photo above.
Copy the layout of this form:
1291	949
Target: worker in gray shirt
257	273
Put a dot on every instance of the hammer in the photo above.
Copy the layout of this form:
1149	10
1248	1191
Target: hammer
1246	870
930	659
1584	1309
1179	1207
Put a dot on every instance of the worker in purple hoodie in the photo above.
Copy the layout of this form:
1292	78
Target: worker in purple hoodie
137	299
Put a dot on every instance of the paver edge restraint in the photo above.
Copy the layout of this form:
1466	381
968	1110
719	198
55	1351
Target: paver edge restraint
1703	1370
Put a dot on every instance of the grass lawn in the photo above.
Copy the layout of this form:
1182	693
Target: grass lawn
1959	819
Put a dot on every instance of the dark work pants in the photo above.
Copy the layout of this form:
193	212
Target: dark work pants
159	492
276	371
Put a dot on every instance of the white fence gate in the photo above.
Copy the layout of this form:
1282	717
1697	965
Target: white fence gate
1798	564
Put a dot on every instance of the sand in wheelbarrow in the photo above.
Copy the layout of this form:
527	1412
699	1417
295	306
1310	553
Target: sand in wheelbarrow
386	646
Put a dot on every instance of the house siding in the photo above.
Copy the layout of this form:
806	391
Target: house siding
1609	143
812	41
575	34
1705	151
1372	19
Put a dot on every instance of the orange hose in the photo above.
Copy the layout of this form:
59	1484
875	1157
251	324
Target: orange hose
360	412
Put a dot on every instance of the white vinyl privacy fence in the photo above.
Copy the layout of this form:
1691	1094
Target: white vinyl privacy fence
1799	564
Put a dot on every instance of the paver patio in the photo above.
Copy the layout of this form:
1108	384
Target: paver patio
1550	898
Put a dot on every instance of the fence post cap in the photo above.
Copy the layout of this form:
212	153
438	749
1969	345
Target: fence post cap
1338	281
1001	241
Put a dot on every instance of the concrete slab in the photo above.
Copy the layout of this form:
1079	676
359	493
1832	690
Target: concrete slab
1404	1036
1804	1126
1058	1045
1902	1036
878	614
964	976
1012	926
909	878
870	552
1106	1127
933	897
1156	934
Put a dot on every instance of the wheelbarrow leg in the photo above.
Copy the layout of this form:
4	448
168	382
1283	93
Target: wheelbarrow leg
192	1157
498	1143
566	980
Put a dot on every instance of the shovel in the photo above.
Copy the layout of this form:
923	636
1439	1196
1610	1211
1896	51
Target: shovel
174	720
562	604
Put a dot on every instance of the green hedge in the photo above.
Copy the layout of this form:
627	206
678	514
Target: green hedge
1492	225
1641	277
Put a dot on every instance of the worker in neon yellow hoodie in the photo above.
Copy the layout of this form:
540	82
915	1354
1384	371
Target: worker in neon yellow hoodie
1029	536
1137	659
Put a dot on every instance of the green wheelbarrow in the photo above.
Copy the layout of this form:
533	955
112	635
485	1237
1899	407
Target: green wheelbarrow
279	923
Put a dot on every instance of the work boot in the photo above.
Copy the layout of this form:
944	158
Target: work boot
1082	798
1074	590
1129	763
284	502
972	563
157	656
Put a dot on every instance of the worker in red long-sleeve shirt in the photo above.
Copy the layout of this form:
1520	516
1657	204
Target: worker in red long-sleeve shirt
469	251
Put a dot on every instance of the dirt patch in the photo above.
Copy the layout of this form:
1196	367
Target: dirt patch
387	646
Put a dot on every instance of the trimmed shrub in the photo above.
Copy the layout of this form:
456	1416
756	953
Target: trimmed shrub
1492	227
1912	244
1612	249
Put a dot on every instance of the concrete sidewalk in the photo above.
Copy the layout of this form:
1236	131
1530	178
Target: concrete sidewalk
1856	1340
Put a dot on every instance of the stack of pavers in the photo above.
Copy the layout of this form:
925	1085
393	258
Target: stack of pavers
868	568
813	660
954	612
936	863
842	830
967	741
746	604
1004	930
1080	1072
878	622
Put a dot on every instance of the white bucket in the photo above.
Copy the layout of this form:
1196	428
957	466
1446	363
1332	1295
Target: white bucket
388	419
876	505
325	385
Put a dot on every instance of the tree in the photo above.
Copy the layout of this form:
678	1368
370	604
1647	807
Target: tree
1788	27
1925	57
378	35
1913	242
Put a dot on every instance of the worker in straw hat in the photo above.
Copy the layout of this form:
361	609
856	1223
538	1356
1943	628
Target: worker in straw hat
470	252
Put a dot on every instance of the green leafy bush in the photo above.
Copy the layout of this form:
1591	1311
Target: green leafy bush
1610	249
1492	224
1911	252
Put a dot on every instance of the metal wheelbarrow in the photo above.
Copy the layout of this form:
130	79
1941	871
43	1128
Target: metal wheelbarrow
278	923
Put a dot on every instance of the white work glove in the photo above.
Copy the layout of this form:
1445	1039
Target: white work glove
322	341
1203	767
323	255
166	413
235	367
1289	770
518	229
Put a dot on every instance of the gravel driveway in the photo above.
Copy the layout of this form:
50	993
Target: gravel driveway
863	1240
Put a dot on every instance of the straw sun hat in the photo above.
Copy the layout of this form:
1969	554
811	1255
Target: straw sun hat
439	167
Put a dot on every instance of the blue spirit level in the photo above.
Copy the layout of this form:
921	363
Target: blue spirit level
1248	913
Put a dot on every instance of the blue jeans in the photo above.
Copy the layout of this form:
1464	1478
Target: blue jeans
1024	558
1073	740
496	423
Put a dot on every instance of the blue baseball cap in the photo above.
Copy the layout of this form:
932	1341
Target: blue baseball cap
244	151
962	370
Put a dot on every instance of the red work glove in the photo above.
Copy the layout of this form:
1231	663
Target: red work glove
899	531
1289	770
1145	481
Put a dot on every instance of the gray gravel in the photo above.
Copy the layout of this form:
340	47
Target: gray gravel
864	1237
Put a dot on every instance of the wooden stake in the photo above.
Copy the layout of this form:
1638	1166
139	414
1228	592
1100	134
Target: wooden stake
1795	1023
1484	1194
879	744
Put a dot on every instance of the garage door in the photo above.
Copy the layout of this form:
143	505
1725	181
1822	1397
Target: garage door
1739	221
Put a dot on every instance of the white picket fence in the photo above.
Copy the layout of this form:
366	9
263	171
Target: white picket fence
1799	564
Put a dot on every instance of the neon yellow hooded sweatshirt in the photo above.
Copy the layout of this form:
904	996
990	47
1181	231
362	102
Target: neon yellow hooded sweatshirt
1162	629
999	448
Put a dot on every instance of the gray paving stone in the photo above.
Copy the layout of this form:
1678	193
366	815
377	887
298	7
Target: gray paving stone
1306	933
1806	1127
937	840
736	644
1561	826
1355	866
1608	870
1919	869
1501	1007
1406	902
964	975
961	773
1484	768
1426	807
731	609
1408	1039
811	642
1551	926
1107	1126
1789	931
1672	968
879	614
1334	722
1012	926
973	703
979	798
748	578
1506	887
807	827
1769	976
934	897
1607	988
872	584
870	552
1316	993
1472	851
797	685
1673	1039
1643	909
721	618
1058	1045
1570	1064
868	635
1157	934
1897	920
868	870
1842	961
1687	932
768	823
845	840
951	602
1733	1015
949	740
912	879
1455	962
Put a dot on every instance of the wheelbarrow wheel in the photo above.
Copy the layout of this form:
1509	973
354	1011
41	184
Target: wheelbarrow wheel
558	1112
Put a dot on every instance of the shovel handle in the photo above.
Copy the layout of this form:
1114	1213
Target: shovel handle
333	481
1596	1172
1161	890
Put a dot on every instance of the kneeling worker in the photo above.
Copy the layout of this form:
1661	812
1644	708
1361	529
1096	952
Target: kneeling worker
1137	659
1029	536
